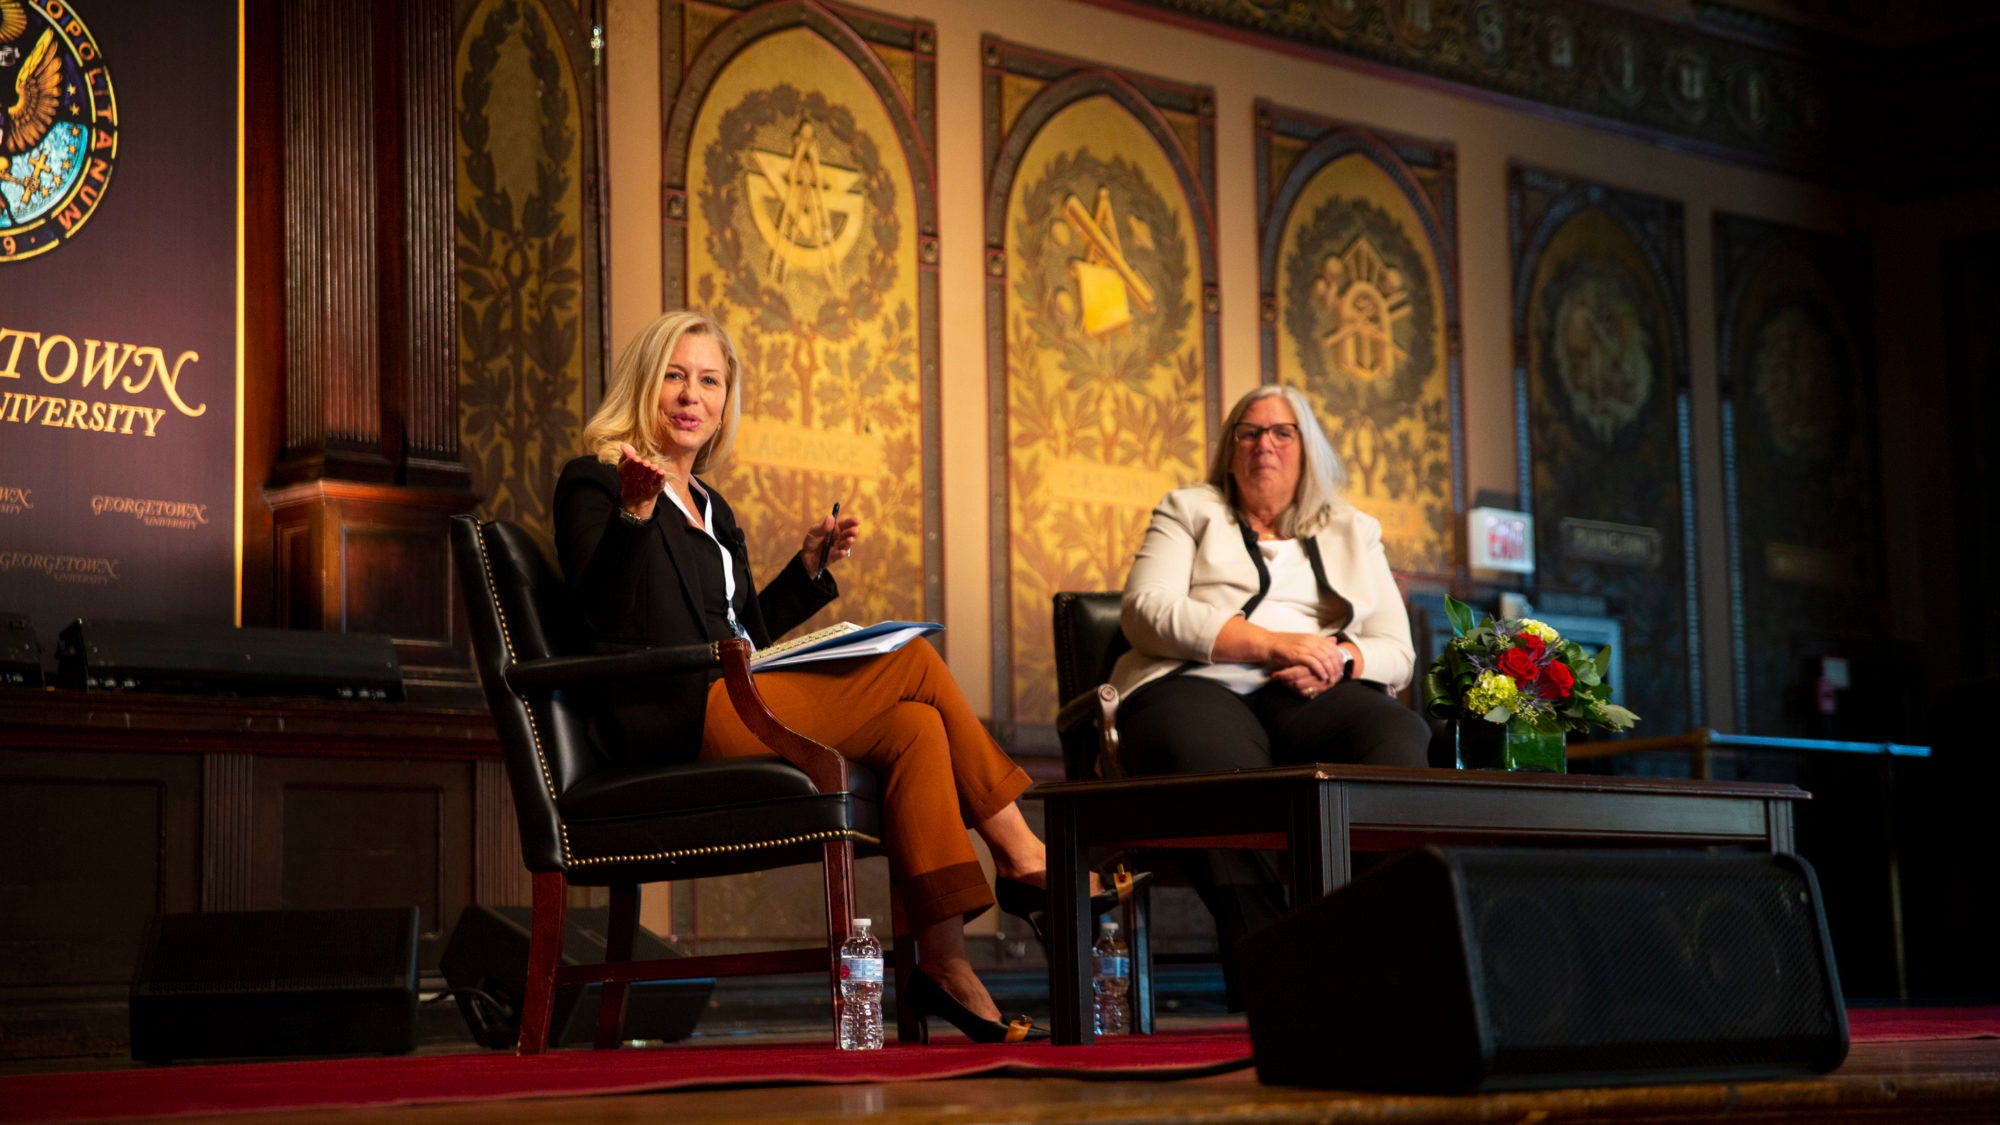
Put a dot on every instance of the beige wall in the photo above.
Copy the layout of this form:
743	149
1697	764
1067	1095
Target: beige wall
1487	136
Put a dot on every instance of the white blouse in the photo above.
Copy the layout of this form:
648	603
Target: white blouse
728	563
1292	605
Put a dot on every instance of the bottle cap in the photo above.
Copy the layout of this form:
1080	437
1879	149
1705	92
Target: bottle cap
864	923
1111	929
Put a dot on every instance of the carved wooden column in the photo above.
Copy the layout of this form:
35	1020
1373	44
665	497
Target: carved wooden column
368	470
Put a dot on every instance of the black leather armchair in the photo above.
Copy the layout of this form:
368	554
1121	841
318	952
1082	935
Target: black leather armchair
1089	640
588	822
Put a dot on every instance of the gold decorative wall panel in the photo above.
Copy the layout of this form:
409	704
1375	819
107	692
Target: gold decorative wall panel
1605	449
800	214
1101	311
1360	312
1801	481
530	322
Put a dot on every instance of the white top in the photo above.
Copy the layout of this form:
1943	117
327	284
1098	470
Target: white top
1291	606
728	564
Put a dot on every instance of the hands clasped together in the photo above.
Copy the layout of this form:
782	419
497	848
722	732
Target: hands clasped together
1306	662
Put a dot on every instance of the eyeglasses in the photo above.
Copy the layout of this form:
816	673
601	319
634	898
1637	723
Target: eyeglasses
1283	433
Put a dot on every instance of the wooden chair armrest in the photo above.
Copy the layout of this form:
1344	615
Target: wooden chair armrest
1099	708
822	764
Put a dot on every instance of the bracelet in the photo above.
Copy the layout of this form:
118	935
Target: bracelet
631	519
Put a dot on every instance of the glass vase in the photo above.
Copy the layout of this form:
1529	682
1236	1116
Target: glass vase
1514	745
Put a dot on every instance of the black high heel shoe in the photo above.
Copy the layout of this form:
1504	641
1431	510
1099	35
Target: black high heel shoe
1031	903
929	998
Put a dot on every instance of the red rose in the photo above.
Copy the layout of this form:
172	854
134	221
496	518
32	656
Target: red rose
1535	645
1519	665
1557	679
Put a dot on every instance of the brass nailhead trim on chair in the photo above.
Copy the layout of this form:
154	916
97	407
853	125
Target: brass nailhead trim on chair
722	849
507	638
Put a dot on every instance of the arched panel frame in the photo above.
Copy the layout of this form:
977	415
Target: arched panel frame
855	34
1330	141
1147	99
1653	225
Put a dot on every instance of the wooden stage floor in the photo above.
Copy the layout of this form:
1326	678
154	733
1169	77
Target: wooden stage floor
1921	1081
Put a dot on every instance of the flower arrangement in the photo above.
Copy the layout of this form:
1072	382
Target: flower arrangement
1520	671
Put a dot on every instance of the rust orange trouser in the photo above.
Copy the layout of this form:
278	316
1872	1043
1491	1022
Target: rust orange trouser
903	716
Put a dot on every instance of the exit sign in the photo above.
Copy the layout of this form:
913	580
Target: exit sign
1499	539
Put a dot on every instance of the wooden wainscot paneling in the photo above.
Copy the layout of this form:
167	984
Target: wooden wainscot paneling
366	558
97	844
116	807
336	834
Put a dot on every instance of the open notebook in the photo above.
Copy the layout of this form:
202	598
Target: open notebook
841	641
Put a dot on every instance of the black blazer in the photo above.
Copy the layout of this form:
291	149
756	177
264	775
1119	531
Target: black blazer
635	586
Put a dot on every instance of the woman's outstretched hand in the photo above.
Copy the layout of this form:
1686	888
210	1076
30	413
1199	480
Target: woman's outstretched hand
639	482
836	538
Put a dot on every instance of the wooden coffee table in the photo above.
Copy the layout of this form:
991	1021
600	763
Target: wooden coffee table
1322	814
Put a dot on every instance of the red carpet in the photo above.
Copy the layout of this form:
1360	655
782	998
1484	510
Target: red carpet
361	1082
1887	1025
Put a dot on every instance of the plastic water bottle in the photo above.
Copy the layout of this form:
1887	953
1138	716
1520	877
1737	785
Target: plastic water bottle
861	990
1111	983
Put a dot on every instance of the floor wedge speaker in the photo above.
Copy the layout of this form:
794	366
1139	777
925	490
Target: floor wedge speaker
1454	970
486	964
276	982
20	652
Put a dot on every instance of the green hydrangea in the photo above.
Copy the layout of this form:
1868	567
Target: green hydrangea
1492	689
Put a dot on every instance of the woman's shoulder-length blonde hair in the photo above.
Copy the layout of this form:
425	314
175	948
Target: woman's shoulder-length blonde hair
1321	476
630	410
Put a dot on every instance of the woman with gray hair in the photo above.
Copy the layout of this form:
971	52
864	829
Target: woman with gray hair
1266	629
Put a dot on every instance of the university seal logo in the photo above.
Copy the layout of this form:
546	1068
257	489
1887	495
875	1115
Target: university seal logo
58	126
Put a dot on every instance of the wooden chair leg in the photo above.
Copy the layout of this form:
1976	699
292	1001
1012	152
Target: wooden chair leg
545	941
837	864
618	943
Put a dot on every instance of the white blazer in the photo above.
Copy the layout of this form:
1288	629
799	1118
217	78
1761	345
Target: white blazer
1193	573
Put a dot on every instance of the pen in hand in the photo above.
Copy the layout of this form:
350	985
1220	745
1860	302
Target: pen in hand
826	545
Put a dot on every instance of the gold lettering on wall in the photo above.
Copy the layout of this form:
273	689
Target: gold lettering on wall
779	445
1617	543
152	513
1402	520
1092	482
82	570
102	367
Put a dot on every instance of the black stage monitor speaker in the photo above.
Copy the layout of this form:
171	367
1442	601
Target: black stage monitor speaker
1453	970
276	982
20	652
486	965
187	657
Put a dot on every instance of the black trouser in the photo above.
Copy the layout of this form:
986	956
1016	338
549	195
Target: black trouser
1190	724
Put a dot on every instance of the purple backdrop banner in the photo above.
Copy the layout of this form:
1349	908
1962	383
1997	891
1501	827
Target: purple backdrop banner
118	298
